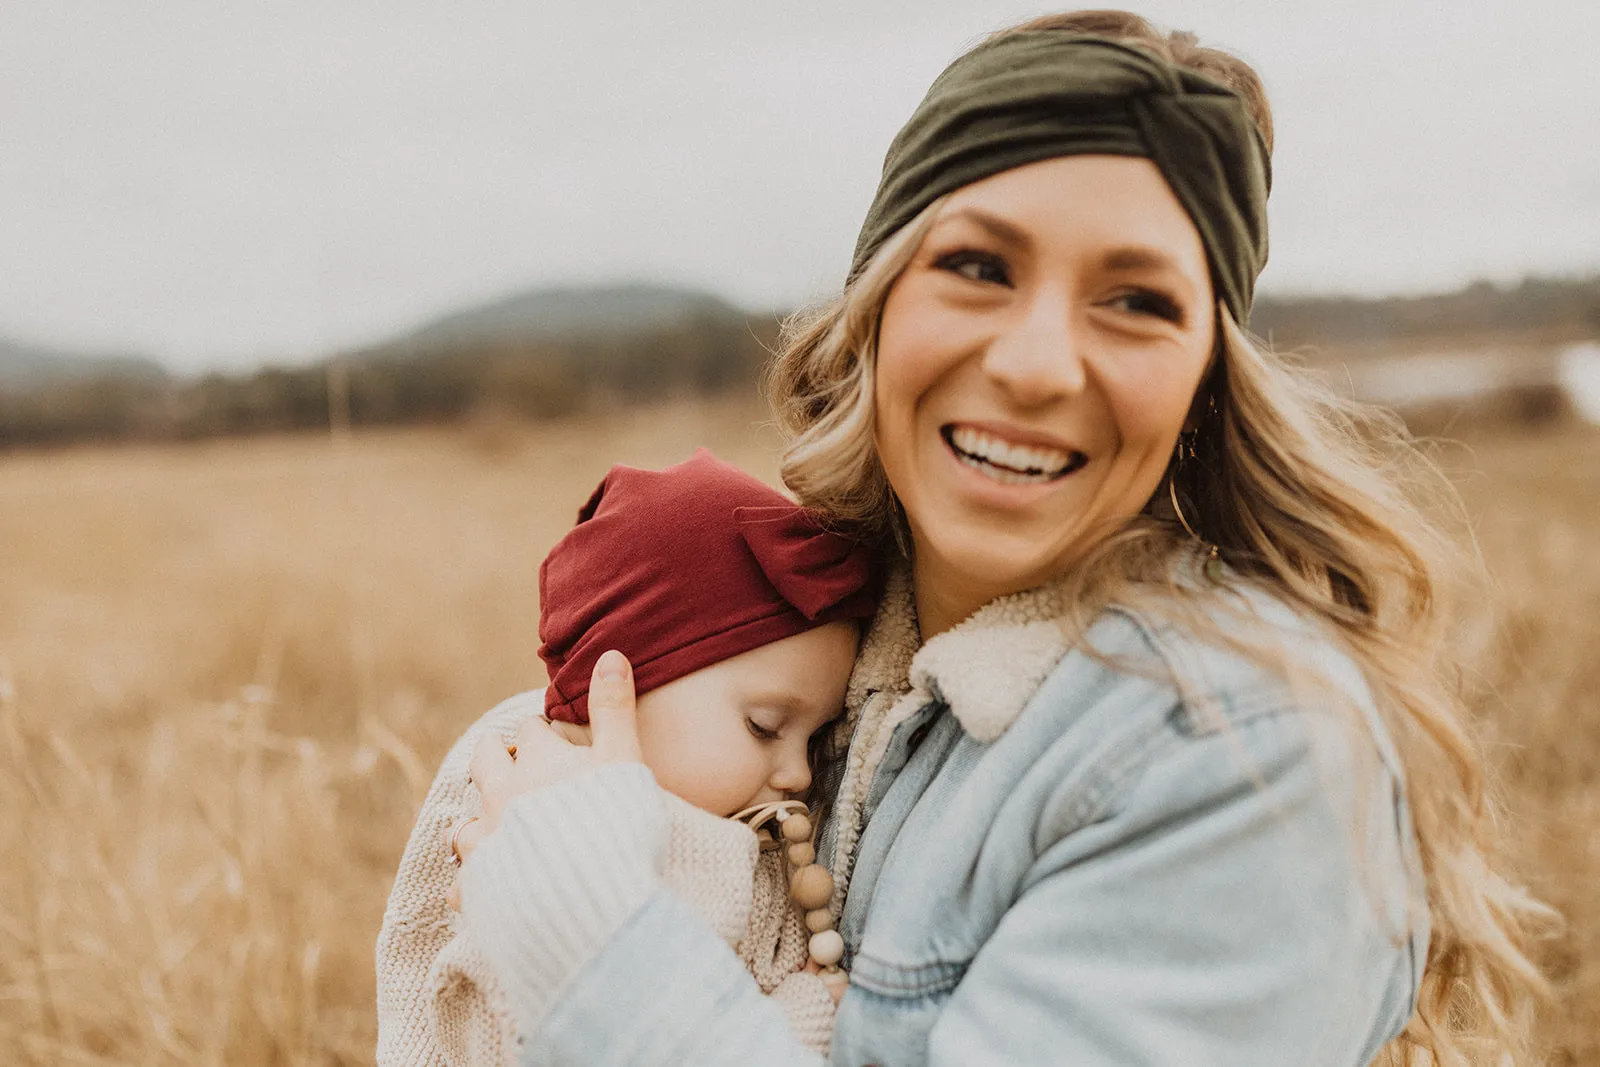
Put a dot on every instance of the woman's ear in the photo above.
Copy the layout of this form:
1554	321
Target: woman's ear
1205	395
1203	404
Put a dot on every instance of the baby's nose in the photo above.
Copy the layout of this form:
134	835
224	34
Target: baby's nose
793	775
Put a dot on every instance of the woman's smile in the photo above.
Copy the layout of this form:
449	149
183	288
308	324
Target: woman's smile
1008	458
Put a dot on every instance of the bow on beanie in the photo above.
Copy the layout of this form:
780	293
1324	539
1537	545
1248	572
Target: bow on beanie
815	571
1032	95
683	568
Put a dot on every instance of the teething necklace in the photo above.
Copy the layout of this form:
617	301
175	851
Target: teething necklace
810	884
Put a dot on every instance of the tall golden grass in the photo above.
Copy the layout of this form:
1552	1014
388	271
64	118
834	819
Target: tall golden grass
228	670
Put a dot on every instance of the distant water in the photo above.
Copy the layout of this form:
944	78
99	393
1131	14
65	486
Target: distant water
1449	377
1445	376
1578	370
1433	377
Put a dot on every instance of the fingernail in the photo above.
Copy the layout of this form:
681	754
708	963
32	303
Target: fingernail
613	666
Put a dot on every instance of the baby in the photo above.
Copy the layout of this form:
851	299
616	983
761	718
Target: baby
741	617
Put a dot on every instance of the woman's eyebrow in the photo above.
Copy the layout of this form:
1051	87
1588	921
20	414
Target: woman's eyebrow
1137	257
999	228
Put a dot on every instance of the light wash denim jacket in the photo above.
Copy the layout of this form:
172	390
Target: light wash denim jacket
1065	857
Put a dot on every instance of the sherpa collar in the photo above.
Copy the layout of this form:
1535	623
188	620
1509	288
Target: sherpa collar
984	669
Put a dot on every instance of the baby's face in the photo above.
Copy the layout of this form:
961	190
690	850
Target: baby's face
734	734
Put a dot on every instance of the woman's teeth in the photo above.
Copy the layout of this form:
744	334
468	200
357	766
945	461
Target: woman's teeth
1007	463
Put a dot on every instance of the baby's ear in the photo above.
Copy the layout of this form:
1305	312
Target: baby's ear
578	735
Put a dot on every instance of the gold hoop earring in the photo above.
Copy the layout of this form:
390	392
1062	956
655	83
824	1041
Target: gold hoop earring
1177	509
1213	563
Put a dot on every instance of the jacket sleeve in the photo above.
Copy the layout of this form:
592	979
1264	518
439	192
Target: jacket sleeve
1241	900
612	967
666	991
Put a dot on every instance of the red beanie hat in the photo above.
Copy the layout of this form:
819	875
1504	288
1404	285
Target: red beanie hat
686	567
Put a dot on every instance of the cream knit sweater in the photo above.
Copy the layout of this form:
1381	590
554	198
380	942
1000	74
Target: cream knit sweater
438	1002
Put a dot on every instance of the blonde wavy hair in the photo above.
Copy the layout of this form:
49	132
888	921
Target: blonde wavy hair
1326	503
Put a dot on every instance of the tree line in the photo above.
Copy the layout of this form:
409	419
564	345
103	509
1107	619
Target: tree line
705	352
1554	309
440	384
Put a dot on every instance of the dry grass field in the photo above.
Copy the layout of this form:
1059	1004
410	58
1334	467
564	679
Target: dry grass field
227	671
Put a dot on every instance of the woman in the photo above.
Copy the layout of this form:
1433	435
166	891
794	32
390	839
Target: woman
1154	752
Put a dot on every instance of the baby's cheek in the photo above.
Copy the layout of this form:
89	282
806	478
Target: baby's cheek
708	784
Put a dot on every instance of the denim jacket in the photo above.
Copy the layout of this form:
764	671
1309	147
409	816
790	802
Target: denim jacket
1134	849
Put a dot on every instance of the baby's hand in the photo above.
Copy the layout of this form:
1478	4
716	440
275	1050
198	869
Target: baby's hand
835	979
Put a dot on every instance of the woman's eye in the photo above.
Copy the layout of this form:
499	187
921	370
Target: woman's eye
759	731
984	267
1149	302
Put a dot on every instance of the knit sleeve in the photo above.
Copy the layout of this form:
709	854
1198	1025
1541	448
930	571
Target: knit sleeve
809	1007
586	877
709	863
419	928
592	875
776	942
776	946
714	865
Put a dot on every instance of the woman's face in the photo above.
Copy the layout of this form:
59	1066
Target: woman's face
1036	362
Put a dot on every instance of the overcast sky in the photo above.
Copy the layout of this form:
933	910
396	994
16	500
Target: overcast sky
220	182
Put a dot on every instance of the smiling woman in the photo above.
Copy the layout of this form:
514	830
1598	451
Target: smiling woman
1036	360
1095	803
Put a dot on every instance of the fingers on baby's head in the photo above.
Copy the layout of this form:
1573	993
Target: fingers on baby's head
462	836
612	713
610	685
573	732
612	667
491	761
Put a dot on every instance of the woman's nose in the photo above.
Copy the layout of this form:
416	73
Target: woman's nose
1038	357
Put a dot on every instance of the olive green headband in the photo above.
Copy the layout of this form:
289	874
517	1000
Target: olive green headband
1037	94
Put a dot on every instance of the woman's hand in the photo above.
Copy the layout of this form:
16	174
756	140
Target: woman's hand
543	755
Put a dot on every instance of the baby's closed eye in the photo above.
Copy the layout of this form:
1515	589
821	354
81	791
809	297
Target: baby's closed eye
757	730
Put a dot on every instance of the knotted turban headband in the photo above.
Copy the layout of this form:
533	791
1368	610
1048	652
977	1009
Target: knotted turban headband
1032	95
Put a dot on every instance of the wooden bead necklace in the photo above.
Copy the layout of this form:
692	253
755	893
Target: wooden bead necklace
810	884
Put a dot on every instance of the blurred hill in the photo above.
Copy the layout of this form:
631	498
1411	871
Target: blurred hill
549	352
535	354
24	366
566	315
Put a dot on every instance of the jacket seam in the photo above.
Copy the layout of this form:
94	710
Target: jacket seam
897	980
1099	796
1239	707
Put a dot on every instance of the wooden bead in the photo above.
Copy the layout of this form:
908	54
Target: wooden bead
811	887
818	920
797	828
827	947
802	854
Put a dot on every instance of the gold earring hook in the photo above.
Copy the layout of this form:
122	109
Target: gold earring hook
1213	563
